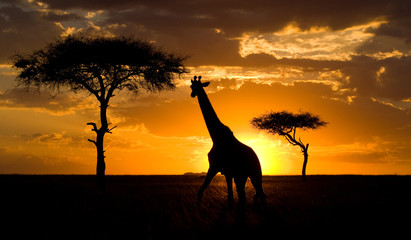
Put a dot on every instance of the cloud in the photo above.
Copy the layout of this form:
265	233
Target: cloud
21	162
23	29
235	108
60	16
394	78
213	28
216	33
160	118
57	105
315	43
371	151
387	78
52	138
241	16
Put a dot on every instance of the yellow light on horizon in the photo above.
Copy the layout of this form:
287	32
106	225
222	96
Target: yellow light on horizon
273	155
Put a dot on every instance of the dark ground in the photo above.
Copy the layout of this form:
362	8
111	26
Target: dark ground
164	207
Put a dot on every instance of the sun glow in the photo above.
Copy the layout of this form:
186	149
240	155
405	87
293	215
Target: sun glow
273	154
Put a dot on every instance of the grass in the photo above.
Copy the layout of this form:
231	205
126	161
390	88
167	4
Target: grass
158	207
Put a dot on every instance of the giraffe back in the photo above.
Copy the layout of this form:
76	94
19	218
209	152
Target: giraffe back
230	156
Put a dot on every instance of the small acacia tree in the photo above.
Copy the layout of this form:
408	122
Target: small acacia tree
100	66
285	124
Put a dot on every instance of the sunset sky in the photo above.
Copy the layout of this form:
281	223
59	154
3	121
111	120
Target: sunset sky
347	61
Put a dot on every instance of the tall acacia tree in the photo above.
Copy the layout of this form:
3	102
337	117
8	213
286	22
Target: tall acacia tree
100	66
285	124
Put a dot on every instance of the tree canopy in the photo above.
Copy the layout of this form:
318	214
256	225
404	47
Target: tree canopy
284	122
96	64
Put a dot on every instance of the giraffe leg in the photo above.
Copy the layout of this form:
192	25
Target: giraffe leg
210	175
230	197
240	186
259	195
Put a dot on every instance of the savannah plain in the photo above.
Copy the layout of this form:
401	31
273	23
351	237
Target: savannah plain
165	207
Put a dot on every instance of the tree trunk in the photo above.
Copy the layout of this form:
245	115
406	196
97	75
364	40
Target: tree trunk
99	143
305	152
101	165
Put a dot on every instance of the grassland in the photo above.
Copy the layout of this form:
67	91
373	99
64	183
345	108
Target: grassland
164	207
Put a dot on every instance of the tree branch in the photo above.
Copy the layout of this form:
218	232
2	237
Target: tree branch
95	143
289	140
109	130
295	128
299	139
113	86
90	89
94	126
292	140
102	87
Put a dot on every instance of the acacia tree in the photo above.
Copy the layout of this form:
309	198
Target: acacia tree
285	124
100	66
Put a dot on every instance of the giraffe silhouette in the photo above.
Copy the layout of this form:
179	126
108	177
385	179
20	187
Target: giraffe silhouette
228	155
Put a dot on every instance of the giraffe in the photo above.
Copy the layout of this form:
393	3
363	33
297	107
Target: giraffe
228	155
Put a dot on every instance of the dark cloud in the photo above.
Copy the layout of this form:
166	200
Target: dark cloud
362	75
209	32
365	76
236	17
91	4
392	36
387	78
62	17
23	29
398	28
54	138
21	98
207	29
395	80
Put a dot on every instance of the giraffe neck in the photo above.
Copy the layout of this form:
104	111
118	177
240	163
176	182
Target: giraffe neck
210	117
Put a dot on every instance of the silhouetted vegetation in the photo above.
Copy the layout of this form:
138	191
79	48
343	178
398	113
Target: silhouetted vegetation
285	124
100	66
164	207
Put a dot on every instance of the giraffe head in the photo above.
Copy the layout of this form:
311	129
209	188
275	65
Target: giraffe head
197	85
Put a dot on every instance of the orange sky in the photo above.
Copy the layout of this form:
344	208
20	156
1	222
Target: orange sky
352	70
